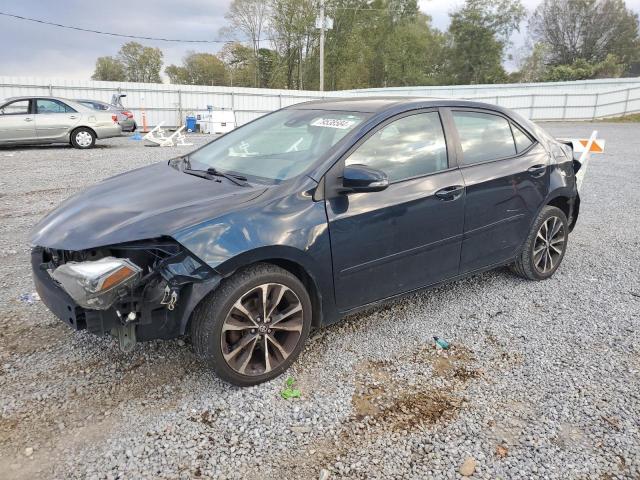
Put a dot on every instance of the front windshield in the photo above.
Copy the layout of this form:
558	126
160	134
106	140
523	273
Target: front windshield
278	146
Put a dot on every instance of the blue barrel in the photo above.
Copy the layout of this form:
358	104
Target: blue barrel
191	123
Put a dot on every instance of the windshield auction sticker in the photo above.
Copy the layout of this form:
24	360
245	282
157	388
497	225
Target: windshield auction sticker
333	123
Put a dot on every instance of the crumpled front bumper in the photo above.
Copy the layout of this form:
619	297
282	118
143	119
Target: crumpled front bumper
53	296
154	322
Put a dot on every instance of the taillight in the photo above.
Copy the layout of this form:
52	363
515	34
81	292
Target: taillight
128	114
114	118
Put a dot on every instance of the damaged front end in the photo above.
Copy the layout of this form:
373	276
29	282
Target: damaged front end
136	291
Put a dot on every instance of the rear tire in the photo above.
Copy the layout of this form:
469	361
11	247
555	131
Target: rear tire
245	339
83	138
545	245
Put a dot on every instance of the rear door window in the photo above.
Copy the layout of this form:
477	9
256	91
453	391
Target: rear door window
45	105
483	137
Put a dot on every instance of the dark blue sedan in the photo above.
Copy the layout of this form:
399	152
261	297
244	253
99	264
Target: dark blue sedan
301	217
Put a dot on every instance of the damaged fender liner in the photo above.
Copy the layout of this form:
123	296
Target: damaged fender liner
169	270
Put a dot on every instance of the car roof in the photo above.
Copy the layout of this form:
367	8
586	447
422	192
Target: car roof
72	103
29	97
384	103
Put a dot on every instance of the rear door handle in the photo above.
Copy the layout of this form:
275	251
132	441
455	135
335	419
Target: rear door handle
452	192
537	170
73	116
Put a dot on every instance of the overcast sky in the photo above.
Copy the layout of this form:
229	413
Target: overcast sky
35	50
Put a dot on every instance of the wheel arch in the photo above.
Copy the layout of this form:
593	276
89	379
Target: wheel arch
288	258
291	259
570	206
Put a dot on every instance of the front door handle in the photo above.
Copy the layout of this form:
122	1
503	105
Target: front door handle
537	170
28	119
450	193
73	116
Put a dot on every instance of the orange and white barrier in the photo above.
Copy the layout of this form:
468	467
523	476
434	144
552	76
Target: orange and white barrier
585	148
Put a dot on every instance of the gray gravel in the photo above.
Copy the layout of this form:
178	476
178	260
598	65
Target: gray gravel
543	379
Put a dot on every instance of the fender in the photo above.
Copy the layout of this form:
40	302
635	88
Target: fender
230	242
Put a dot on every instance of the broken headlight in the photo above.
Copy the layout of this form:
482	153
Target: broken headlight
97	284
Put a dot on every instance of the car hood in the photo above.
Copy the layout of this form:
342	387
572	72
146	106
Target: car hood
149	202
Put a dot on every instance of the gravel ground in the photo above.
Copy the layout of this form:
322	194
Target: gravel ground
542	380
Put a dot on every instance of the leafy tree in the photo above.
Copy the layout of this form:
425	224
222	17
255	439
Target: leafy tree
414	54
291	25
249	17
379	43
582	70
586	30
478	34
109	69
534	67
198	69
240	64
141	64
178	75
268	61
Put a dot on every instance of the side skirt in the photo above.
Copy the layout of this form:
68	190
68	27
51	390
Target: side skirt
383	301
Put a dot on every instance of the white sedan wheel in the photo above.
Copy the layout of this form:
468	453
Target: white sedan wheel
84	139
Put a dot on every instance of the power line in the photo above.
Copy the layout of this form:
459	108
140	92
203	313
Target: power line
122	35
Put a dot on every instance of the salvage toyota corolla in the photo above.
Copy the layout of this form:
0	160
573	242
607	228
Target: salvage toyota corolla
300	217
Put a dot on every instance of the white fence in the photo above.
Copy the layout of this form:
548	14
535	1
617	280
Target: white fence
581	100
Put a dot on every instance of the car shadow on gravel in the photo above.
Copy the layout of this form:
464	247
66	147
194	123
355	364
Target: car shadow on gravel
47	147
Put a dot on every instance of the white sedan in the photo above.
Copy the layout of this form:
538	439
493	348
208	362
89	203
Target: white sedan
42	120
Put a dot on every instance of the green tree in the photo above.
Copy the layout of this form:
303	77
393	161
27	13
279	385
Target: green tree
414	54
249	17
141	64
291	24
379	43
177	75
240	64
268	61
588	30
478	35
582	70
109	69
533	67
198	69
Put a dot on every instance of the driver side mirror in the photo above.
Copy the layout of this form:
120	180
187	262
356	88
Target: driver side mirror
360	178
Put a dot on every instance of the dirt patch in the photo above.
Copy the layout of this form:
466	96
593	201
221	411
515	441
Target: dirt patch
383	401
367	404
416	409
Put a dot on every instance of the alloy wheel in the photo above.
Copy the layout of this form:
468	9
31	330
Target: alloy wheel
84	139
549	245
262	329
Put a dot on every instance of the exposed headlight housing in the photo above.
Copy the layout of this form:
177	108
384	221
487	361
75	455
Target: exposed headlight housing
97	284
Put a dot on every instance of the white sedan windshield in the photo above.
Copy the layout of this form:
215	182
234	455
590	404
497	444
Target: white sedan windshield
277	146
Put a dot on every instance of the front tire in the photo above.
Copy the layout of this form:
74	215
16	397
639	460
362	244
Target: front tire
545	245
83	138
253	327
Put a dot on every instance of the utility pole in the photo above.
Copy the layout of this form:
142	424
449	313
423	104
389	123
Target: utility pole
321	45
